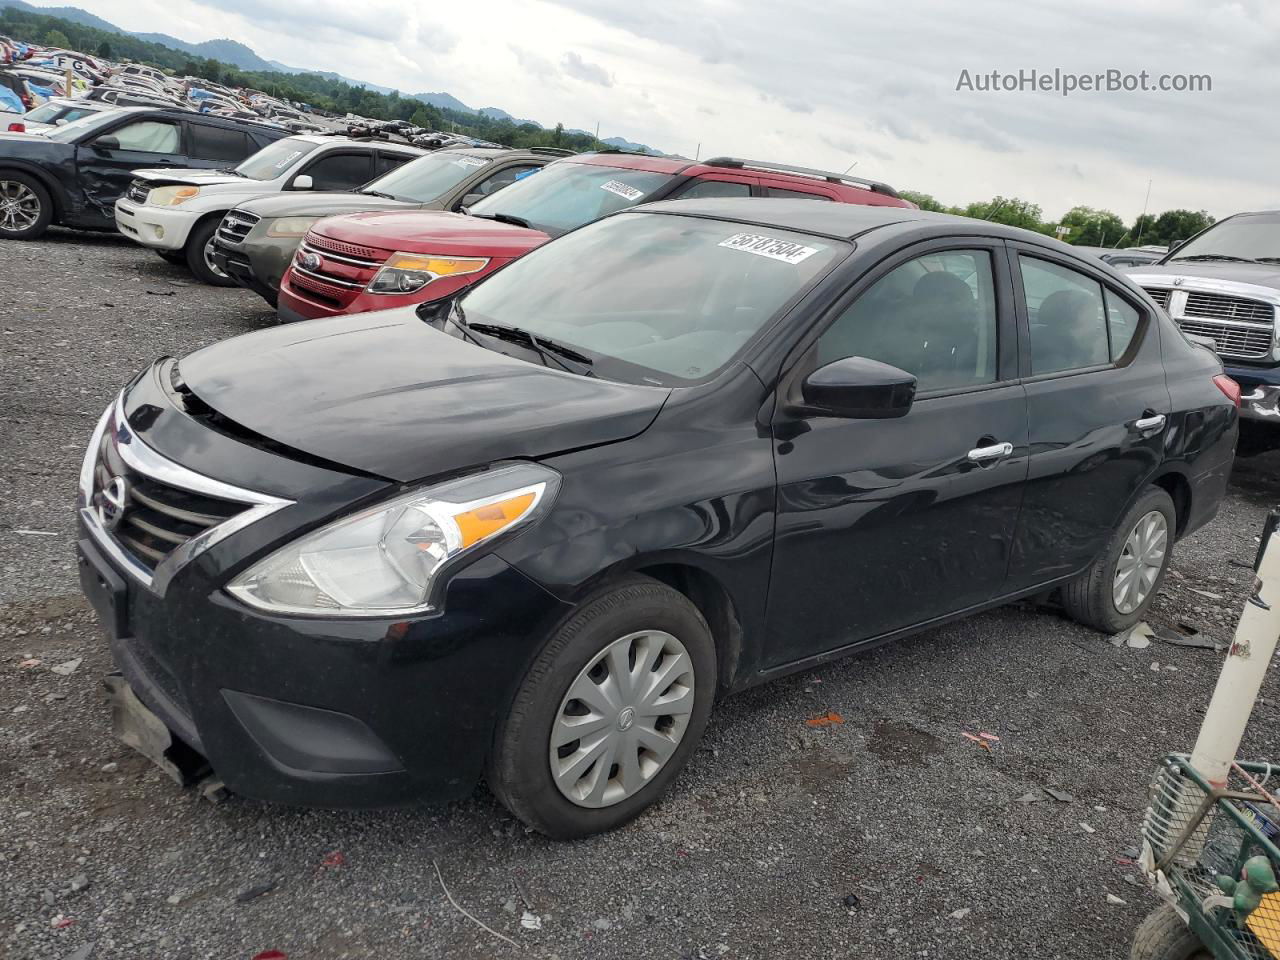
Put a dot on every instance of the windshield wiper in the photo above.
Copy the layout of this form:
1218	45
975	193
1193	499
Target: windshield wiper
1268	260
379	193
1215	256
504	218
542	346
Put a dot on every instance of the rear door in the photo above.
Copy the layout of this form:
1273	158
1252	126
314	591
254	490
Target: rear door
1098	409
106	168
887	524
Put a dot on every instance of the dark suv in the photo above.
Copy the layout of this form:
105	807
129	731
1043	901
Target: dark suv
73	175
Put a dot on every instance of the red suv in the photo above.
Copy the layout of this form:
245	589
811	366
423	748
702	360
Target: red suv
374	261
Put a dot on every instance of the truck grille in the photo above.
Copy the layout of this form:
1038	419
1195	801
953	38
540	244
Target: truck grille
157	516
1161	297
1241	328
1218	306
235	226
1250	343
138	191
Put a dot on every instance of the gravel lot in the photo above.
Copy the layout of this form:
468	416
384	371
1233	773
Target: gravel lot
888	835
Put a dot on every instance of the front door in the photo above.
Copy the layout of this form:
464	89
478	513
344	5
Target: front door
107	161
886	524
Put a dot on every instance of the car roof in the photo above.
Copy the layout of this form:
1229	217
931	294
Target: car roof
838	220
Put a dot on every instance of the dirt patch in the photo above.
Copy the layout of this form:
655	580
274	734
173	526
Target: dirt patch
894	741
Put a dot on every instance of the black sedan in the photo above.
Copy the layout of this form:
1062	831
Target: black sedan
532	534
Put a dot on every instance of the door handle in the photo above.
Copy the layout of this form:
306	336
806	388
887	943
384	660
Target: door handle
1146	424
993	452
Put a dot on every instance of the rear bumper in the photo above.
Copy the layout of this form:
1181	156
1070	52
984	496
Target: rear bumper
1259	392
161	228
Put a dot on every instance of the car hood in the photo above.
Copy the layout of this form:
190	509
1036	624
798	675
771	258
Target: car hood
305	203
433	231
33	146
187	176
1260	274
387	394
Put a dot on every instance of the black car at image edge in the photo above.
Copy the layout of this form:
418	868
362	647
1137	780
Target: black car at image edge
531	534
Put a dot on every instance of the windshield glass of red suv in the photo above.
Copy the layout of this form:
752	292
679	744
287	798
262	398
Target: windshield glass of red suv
656	298
565	195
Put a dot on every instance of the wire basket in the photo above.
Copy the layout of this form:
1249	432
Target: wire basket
1195	834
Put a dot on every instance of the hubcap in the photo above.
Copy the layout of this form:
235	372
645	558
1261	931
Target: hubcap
1140	562
19	206
210	262
622	719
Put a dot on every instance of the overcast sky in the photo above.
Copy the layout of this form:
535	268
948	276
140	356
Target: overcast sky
828	84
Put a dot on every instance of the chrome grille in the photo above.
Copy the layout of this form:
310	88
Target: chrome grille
1159	296
1230	340
1218	306
138	191
157	517
235	226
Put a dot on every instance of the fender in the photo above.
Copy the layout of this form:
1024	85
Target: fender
57	192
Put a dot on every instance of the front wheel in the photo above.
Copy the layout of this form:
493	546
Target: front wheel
26	210
1163	936
608	713
1116	591
199	254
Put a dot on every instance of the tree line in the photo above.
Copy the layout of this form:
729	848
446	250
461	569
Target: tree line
1084	226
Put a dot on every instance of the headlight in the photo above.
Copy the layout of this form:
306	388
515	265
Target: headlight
290	226
384	560
171	196
408	272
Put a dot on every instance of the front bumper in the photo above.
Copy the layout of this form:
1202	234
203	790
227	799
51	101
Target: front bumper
161	228
295	303
237	264
1259	392
310	710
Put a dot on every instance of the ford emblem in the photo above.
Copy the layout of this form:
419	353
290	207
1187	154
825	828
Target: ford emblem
308	261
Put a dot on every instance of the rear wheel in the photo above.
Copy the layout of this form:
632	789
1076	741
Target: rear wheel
199	254
1163	936
1115	593
609	712
26	210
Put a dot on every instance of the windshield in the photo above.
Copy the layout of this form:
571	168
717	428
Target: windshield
272	161
46	112
425	179
565	195
655	298
1250	236
85	125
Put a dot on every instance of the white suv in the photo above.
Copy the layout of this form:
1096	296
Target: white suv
175	212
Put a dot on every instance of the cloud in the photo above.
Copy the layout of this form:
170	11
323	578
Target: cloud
533	64
585	70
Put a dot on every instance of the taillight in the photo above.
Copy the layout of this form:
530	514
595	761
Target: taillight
1229	387
17	128
27	100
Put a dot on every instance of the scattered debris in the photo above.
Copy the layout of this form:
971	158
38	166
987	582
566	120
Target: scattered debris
530	921
36	533
110	767
82	952
1137	637
478	923
30	663
1207	594
828	719
68	668
173	899
989	736
1030	796
1060	795
1114	900
978	740
961	913
256	891
79	882
851	902
60	922
602	923
1188	636
162	293
1086	828
333	860
271	955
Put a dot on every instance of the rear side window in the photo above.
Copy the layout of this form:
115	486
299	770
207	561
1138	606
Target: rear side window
387	162
340	171
795	194
1122	324
708	189
1068	317
216	143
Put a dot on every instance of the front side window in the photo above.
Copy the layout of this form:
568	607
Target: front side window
503	178
428	177
780	193
148	136
655	298
934	317
273	160
1068	317
566	194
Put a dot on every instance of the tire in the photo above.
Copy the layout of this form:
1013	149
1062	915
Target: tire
648	619
196	252
176	257
1091	598
1163	936
26	209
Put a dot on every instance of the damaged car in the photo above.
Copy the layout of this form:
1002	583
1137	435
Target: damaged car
533	531
73	175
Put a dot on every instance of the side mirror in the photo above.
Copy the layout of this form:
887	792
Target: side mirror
303	182
859	389
1175	244
60	121
105	144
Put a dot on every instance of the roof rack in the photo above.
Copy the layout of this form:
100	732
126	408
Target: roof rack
738	164
553	151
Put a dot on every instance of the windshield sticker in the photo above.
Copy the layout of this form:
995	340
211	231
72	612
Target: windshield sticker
788	251
470	162
289	159
623	190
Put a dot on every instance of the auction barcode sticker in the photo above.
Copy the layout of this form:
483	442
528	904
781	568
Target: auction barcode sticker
470	162
624	190
788	251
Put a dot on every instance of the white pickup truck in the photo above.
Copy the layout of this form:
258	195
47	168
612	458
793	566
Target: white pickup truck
176	211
